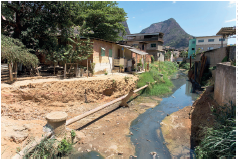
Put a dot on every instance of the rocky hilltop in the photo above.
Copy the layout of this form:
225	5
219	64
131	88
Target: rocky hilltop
174	35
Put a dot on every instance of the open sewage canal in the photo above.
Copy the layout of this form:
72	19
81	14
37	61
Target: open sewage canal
147	136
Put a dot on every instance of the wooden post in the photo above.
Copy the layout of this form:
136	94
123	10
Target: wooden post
136	62
76	74
65	71
143	62
87	68
159	65
10	72
54	68
190	61
38	73
15	70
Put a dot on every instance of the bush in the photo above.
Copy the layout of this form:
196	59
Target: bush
64	147
45	150
220	141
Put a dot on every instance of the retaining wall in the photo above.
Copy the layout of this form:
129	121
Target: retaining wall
225	83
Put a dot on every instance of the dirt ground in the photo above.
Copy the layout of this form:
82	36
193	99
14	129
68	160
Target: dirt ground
25	104
182	129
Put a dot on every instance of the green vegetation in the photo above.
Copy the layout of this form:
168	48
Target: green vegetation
45	150
225	59
219	141
184	65
64	147
158	72
51	149
167	55
152	59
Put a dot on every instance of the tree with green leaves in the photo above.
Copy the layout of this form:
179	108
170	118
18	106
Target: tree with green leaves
184	54
167	55
103	18
15	52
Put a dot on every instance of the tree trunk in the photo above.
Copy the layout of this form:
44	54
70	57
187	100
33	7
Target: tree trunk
10	72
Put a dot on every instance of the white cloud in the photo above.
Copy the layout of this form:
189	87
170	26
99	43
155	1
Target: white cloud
174	1
232	4
230	20
133	17
140	26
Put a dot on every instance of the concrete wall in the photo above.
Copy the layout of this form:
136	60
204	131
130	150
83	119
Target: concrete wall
225	83
232	52
216	40
213	56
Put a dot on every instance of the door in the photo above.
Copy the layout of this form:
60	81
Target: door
118	53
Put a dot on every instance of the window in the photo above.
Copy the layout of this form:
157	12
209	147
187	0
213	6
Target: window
201	40
142	46
153	45
102	51
201	48
221	39
110	52
210	40
210	48
193	42
193	48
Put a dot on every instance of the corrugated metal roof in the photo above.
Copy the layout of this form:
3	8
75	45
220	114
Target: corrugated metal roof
138	51
227	31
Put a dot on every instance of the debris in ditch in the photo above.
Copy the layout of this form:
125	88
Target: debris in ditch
103	133
167	114
131	133
148	140
153	154
173	96
120	153
88	150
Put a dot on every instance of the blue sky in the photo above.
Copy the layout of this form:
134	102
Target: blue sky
197	18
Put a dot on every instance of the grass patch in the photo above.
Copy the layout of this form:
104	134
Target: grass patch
163	85
51	149
220	141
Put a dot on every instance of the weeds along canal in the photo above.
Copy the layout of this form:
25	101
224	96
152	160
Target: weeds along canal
147	136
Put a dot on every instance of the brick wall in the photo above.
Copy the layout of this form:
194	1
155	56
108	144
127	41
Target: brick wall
101	62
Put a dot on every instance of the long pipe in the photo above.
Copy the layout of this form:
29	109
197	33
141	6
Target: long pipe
72	120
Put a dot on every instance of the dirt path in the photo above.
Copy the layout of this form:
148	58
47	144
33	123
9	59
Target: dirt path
181	129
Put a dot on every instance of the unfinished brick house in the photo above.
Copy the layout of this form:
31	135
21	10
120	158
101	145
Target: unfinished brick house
151	43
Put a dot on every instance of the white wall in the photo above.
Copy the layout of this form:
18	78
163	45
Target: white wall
216	40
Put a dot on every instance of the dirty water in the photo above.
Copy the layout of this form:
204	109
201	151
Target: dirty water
147	136
88	155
